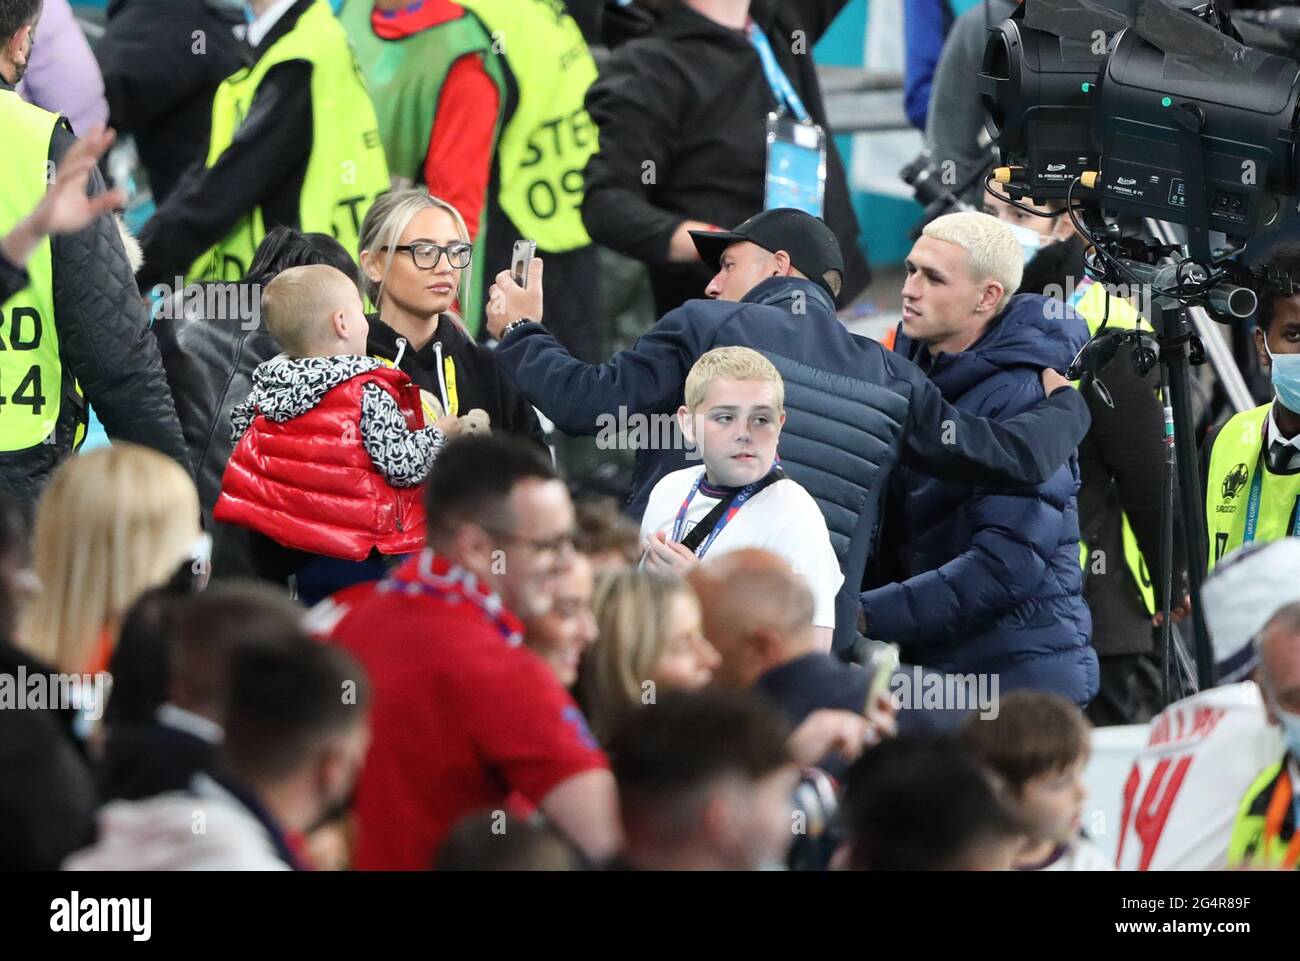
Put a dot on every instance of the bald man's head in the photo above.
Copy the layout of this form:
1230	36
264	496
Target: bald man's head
757	612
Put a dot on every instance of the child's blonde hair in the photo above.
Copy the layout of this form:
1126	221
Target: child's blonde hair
298	303
736	363
995	253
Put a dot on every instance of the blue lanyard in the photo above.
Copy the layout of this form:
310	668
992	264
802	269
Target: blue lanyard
781	86
680	522
1252	505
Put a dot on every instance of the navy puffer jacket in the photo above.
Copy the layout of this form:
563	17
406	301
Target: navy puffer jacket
990	577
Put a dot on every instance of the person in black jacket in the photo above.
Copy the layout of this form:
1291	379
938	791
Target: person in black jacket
47	791
758	613
854	409
415	256
681	109
175	653
212	336
266	162
263	171
162	61
108	355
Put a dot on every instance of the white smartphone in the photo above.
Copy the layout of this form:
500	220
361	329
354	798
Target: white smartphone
521	260
884	663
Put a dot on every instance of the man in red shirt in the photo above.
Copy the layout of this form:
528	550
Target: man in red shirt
464	715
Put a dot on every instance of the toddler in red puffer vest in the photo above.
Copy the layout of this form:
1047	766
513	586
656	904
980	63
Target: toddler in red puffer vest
331	444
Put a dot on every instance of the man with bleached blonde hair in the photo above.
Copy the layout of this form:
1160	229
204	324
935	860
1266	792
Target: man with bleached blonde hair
984	578
961	274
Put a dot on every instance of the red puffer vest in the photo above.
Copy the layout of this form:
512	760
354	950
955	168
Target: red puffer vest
309	484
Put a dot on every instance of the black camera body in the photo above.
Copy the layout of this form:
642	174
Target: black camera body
1035	88
1157	118
1150	112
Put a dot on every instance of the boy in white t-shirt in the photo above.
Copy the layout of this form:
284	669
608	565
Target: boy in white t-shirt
734	411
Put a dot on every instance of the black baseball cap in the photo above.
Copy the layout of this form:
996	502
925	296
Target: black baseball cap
812	247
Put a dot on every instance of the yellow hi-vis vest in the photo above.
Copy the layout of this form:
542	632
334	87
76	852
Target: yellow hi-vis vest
543	151
346	170
1244	501
1090	304
31	372
1260	838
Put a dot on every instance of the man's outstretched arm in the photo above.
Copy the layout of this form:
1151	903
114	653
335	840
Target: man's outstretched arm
647	378
953	445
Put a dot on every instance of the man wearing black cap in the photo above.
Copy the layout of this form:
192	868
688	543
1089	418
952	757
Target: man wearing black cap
771	244
854	410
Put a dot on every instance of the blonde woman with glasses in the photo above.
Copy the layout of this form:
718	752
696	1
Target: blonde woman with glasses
416	258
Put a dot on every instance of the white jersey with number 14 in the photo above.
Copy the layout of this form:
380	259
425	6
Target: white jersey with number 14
1183	792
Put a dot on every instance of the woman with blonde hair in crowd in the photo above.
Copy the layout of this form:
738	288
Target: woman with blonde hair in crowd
649	642
415	260
111	524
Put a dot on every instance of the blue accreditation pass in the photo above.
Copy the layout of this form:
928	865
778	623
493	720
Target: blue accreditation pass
796	165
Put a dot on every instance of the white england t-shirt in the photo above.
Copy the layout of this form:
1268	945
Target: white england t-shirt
1186	785
782	518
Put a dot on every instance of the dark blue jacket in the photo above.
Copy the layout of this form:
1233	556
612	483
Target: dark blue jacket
991	581
854	410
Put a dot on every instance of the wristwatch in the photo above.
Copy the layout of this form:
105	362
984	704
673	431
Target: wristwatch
515	325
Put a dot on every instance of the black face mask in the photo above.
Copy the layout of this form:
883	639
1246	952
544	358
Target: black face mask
1058	265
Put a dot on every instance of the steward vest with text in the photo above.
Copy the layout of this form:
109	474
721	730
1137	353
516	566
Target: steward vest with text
543	150
405	79
346	170
1091	304
1244	500
31	372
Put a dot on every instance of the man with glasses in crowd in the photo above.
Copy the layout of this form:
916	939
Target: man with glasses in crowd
464	715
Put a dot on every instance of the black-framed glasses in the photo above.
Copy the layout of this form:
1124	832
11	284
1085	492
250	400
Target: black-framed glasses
551	545
426	255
